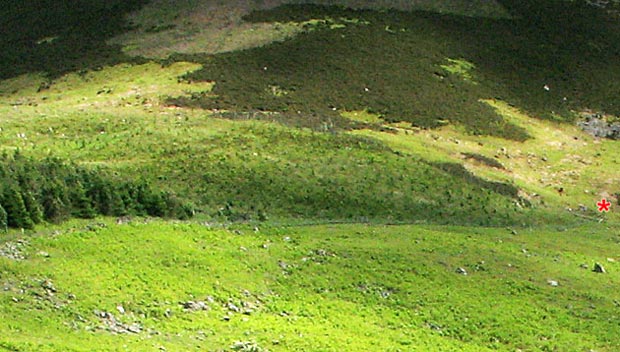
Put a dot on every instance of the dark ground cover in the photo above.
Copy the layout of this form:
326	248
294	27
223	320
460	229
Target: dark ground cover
392	66
80	29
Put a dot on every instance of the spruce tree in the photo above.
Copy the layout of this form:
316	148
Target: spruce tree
32	207
17	214
3	219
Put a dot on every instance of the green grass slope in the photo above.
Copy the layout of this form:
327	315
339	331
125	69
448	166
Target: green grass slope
327	288
320	288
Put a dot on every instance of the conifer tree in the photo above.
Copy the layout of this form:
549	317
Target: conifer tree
17	214
3	220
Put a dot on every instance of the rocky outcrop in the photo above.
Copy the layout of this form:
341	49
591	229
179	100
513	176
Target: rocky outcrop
599	125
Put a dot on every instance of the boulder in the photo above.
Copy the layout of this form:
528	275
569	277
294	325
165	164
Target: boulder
598	268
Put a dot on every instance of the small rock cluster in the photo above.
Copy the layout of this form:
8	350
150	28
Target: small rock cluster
13	250
242	306
598	126
247	346
319	256
194	306
113	325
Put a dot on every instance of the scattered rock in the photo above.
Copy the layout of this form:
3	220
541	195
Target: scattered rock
195	306
114	326
434	326
123	220
120	309
584	266
611	260
233	308
226	318
247	346
43	254
598	268
597	125
95	227
134	328
13	250
553	283
461	271
321	252
48	286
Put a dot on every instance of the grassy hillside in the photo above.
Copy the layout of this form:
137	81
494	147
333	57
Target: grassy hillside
364	179
396	77
328	288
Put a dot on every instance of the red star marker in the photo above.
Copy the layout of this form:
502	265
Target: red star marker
603	205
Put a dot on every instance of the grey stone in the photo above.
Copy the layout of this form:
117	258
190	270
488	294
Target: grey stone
48	285
13	250
195	306
233	308
134	328
320	252
553	283
596	125
461	271
598	268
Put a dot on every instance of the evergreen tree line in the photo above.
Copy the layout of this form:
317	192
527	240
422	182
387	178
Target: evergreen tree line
32	191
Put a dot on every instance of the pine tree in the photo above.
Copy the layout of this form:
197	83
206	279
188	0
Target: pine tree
32	207
80	203
17	214
55	206
3	219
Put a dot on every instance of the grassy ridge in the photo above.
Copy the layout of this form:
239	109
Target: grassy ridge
328	288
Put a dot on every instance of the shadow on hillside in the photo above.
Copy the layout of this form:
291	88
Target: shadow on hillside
391	66
60	36
569	47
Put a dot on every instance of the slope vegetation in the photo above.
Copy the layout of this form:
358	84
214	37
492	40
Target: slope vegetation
144	287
